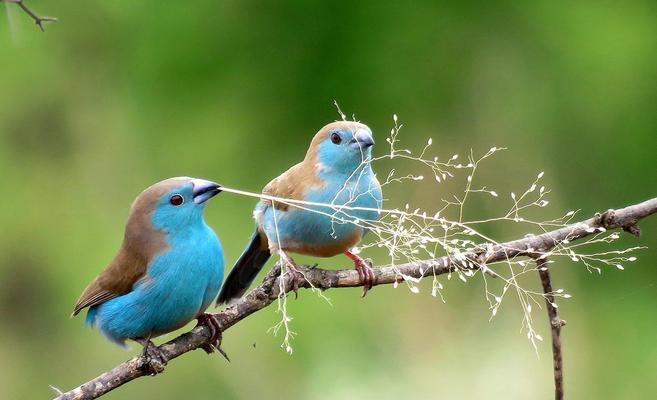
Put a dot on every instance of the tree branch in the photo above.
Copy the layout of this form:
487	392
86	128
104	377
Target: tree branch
556	324
37	19
267	292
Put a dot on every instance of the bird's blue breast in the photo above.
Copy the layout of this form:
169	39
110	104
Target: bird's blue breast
325	227
179	284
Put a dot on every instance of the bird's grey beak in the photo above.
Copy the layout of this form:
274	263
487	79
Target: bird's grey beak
363	139
203	190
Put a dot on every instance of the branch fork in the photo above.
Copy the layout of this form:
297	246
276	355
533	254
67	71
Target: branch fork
38	20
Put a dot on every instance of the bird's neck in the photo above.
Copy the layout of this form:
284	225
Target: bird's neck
345	170
193	227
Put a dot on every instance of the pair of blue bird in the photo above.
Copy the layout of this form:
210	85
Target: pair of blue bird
170	265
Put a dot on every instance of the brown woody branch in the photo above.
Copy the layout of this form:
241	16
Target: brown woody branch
267	292
556	324
37	19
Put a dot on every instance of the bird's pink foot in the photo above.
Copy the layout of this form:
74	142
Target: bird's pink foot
155	359
296	277
365	271
216	336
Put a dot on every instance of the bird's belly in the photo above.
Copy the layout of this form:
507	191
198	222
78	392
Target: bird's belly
159	304
323	234
174	305
320	237
148	311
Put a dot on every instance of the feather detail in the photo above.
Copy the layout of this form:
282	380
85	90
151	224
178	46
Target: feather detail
141	243
296	181
304	232
293	183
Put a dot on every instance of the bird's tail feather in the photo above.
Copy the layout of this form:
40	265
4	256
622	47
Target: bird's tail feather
245	270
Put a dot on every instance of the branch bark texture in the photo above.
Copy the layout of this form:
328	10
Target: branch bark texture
556	324
267	292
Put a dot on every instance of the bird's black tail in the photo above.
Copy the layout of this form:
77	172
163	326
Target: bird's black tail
245	270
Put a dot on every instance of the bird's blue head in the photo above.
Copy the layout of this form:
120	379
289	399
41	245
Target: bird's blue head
342	146
176	204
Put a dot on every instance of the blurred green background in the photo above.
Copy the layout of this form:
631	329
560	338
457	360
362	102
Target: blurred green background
120	94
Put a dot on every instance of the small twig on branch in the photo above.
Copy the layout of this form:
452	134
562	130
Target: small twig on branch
555	326
37	19
269	290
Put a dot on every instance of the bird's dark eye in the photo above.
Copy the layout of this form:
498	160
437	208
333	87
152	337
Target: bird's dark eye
176	200
335	138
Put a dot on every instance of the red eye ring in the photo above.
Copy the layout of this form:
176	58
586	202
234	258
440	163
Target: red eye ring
176	200
335	138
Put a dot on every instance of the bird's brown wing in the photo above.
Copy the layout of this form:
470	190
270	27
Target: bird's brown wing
117	279
293	183
141	243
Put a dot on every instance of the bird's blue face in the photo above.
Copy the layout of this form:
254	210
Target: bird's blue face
344	149
182	206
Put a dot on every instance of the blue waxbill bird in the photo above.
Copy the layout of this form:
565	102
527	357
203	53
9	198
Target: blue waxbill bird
335	170
167	272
